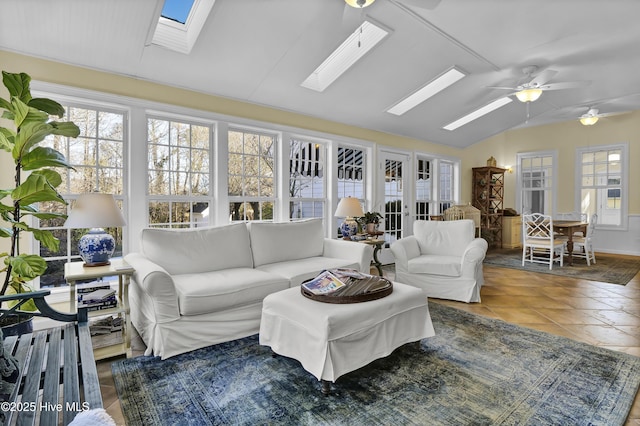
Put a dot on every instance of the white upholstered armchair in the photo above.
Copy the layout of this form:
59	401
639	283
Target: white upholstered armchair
443	258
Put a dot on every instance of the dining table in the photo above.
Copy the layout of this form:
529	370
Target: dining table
568	228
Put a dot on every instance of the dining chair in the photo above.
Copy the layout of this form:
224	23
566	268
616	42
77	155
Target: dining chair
583	246
540	245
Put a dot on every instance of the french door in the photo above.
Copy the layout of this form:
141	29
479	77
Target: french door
394	180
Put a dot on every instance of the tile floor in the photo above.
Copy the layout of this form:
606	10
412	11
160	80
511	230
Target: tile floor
597	313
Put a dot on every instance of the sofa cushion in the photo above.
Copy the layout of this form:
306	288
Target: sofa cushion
298	271
277	242
448	238
181	251
209	292
450	266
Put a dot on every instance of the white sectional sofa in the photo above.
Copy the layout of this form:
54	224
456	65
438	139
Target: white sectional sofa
196	287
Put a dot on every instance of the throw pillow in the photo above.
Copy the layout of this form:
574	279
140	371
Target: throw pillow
9	375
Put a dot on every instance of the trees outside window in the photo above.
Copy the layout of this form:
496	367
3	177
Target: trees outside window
179	171
251	177
97	155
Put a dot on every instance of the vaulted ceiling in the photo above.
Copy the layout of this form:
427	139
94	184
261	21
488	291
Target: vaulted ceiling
260	51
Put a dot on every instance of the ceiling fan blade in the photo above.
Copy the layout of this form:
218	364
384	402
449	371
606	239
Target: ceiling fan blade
501	88
566	85
422	4
543	77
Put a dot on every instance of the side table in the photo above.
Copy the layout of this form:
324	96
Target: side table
76	271
377	246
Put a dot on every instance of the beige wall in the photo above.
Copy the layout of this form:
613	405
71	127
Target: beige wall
565	138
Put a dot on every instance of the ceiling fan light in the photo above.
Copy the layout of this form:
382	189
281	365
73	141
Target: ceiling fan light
589	120
359	4
528	95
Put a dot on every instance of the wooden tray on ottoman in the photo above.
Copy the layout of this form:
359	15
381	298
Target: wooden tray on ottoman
356	290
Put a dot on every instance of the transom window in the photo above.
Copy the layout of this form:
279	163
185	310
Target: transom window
251	182
179	170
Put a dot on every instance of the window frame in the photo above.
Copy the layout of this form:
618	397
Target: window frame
322	162
623	147
121	198
192	199
244	199
553	154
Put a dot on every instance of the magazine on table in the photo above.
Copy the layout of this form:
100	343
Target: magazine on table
345	282
324	283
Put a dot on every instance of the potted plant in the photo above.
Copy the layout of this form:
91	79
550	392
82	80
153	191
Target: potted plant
25	124
370	221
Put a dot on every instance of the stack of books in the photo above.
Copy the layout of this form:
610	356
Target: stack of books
96	296
106	331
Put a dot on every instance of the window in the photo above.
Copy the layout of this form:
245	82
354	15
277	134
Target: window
351	177
536	182
432	199
251	183
178	166
423	189
602	182
446	189
306	179
97	156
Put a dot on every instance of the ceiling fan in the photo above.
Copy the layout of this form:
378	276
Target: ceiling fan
531	90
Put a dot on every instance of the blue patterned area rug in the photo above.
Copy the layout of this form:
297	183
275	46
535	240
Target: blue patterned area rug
475	371
608	268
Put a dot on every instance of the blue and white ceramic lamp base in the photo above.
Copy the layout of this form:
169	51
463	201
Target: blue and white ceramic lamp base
349	228
96	247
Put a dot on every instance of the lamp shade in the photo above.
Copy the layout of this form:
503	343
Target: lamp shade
95	211
528	95
349	207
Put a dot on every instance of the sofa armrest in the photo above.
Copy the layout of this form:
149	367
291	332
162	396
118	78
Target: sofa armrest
473	254
404	250
156	283
350	250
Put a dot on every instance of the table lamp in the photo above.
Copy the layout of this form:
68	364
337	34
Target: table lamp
349	208
95	211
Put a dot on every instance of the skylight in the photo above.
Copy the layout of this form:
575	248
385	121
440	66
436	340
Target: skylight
362	40
434	86
177	10
180	23
478	113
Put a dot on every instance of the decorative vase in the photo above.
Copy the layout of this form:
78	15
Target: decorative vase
349	228
372	228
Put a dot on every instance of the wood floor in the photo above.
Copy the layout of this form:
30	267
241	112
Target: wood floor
600	314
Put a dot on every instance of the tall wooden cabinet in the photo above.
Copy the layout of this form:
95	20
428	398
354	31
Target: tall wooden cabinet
487	195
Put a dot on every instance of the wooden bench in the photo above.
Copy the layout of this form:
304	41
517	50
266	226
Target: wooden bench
58	372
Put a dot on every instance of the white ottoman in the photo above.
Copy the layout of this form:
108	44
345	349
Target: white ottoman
330	340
